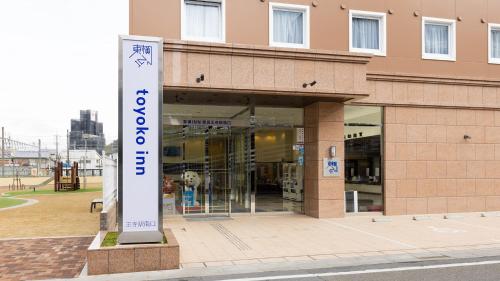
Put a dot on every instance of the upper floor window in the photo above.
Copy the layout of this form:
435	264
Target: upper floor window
494	43
367	32
438	39
289	25
203	20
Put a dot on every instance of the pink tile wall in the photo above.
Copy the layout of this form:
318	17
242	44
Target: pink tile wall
430	168
324	127
406	93
270	73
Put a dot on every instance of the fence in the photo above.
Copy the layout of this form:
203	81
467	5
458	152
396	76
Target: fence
110	182
90	172
10	171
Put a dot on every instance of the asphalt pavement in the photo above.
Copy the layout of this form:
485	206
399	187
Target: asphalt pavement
473	269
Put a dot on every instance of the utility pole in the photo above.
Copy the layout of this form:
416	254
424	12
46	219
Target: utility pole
39	157
85	165
67	151
3	152
57	148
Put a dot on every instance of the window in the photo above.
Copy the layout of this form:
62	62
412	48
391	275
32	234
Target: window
438	39
289	25
367	32
363	140
203	20
494	43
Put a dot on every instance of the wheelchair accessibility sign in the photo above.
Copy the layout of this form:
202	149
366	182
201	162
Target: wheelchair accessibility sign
331	167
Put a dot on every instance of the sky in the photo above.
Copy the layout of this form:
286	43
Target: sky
58	57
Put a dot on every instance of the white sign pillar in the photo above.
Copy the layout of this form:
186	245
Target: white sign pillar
140	137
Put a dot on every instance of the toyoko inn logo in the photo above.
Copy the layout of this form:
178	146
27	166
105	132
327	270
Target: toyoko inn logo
142	54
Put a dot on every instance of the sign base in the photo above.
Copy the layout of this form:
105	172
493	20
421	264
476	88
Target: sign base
138	237
132	258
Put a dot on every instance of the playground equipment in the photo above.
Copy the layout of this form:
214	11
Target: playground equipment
16	183
68	182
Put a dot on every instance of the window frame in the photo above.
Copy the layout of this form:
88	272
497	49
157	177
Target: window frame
186	37
306	24
491	27
382	18
452	39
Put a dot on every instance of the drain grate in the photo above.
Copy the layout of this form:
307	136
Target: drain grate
231	237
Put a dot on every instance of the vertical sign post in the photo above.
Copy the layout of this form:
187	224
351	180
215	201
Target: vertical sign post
140	137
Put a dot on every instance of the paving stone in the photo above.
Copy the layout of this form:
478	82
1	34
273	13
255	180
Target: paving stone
31	259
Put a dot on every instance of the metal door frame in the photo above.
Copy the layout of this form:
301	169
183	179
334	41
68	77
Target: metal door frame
250	155
206	208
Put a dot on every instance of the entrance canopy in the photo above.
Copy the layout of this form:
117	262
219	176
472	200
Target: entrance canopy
200	73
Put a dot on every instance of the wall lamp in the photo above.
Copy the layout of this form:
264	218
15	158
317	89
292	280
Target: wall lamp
201	78
467	137
309	84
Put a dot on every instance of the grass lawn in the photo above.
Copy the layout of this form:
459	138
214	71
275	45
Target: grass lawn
9	202
111	239
49	191
55	214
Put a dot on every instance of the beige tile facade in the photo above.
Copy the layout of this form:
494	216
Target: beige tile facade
431	167
266	70
324	127
433	92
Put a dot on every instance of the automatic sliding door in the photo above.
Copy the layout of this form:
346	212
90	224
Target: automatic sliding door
217	162
209	159
193	176
279	160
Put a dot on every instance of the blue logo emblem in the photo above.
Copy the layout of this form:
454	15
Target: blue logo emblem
142	54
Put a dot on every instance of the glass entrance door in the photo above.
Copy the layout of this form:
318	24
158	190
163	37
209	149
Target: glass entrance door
217	167
225	159
205	187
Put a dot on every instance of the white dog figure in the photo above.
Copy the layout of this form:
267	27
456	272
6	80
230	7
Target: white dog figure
191	182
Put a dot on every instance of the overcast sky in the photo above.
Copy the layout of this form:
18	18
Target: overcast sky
57	57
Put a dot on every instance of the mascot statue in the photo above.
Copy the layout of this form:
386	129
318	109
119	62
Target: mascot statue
191	183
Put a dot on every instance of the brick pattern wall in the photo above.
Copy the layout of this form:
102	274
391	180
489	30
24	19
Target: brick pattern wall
431	168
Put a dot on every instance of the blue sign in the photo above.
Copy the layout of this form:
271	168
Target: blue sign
331	167
189	198
142	54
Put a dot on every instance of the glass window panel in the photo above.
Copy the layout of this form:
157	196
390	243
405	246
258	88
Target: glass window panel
495	43
203	19
279	117
288	26
365	33
437	39
363	165
279	159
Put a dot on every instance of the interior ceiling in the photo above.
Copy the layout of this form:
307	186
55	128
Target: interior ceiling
202	111
294	115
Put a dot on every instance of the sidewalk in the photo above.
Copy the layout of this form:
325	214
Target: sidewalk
250	244
263	239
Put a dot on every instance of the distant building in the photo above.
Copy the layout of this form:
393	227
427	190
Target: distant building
90	161
87	125
30	163
111	148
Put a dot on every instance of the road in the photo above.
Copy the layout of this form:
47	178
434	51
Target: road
478	269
